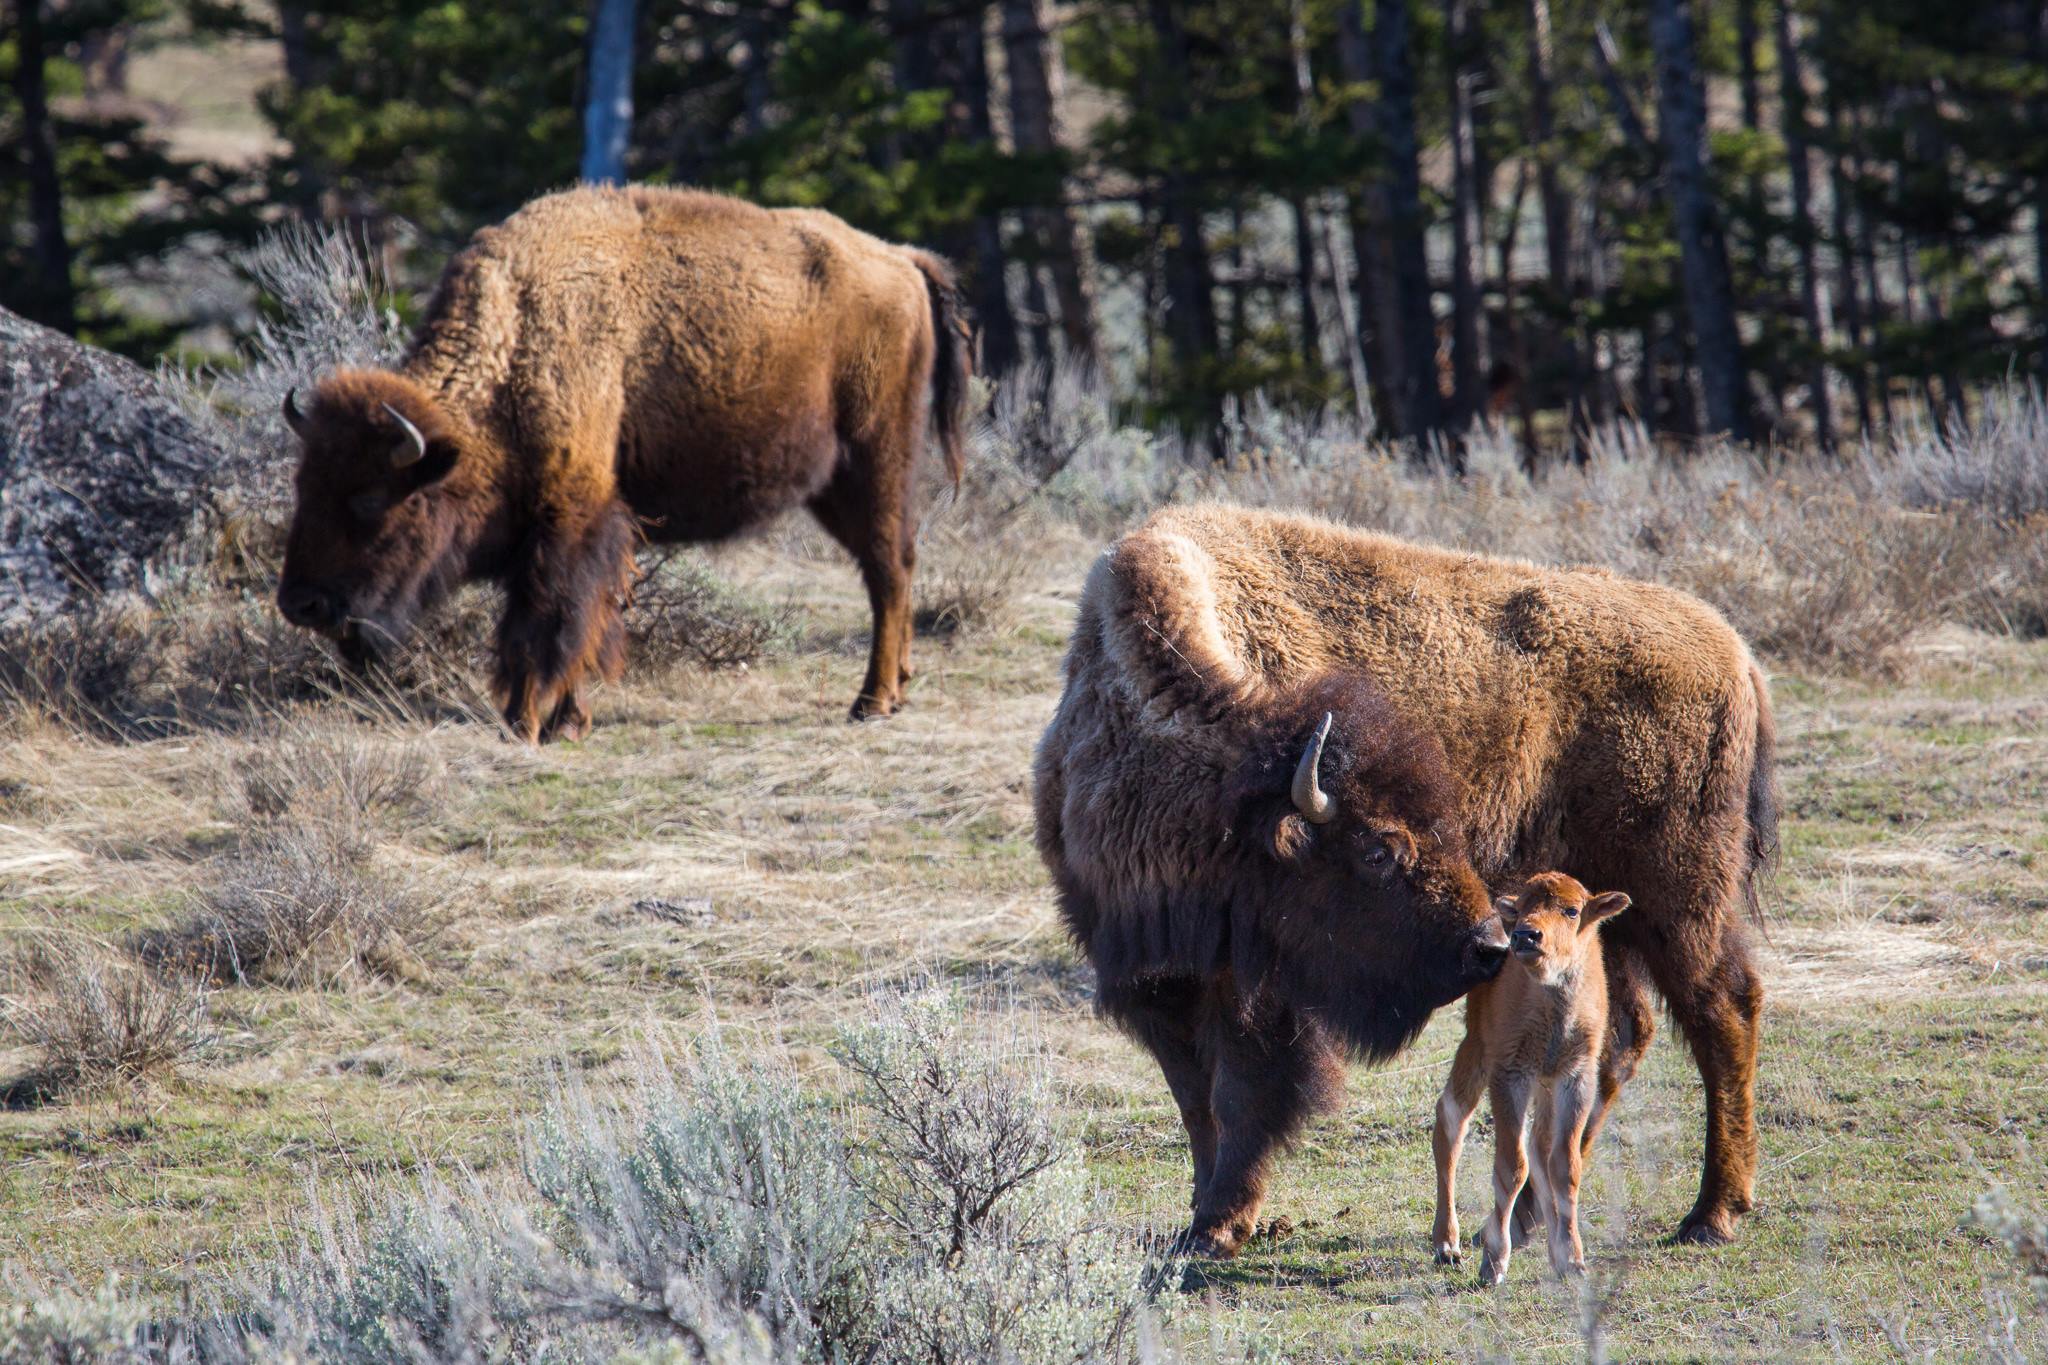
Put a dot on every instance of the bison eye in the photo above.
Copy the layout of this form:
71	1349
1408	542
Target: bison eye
1378	855
366	507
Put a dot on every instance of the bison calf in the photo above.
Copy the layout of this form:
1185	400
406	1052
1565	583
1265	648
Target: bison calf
613	364
1538	1037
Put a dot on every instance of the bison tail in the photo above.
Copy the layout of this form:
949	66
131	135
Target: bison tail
952	360
1763	795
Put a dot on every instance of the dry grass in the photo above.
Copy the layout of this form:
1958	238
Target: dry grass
94	1018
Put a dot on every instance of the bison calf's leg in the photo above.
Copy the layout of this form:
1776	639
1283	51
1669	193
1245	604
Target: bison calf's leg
1510	1171
1563	1158
1631	1026
1453	1115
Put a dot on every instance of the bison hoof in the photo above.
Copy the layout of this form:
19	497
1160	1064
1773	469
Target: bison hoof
872	708
1706	1229
1208	1244
1449	1254
1492	1273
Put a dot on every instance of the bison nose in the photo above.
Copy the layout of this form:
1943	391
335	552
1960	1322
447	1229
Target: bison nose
1525	940
308	606
1489	949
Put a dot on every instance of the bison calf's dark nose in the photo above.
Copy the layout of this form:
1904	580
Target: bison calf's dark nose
1526	940
307	606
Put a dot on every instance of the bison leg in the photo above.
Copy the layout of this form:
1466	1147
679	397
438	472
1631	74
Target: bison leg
1511	1096
563	624
1272	1072
870	526
1453	1114
1631	1023
1167	1024
1717	999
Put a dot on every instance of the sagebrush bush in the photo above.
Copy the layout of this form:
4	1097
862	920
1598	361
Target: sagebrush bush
298	905
713	1210
683	611
44	1324
94	1016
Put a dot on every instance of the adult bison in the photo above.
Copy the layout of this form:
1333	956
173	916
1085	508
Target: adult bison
610	364
1288	754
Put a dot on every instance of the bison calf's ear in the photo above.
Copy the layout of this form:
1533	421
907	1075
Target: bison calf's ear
1606	905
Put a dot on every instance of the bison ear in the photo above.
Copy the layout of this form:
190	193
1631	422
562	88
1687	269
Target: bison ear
434	466
1506	907
1606	905
1291	839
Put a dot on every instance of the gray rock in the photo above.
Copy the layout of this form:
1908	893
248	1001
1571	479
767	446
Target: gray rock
100	470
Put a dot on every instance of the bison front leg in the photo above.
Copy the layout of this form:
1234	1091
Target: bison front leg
563	625
1453	1114
1270	1076
1511	1096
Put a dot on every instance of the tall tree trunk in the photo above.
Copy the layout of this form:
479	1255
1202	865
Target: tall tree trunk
1466	304
608	111
946	51
1035	78
295	43
1378	300
1298	202
1845	260
1308	315
1190	282
1557	221
1792	109
1703	252
1395	206
58	296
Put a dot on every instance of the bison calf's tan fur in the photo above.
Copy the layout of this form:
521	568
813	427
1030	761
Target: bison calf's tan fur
609	365
1538	1038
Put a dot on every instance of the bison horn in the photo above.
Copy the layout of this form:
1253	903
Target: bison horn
415	448
1310	799
293	418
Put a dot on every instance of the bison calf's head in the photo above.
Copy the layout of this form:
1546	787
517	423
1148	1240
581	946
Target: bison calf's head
375	535
1550	918
1376	910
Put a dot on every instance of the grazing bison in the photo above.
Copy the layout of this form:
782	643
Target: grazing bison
610	364
1288	754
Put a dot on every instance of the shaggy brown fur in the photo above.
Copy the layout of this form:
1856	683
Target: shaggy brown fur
1537	1036
610	364
1615	729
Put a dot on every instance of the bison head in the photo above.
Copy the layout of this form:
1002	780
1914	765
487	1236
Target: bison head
376	536
1373	912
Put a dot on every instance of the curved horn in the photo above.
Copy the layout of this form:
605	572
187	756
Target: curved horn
293	418
1315	804
415	448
